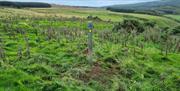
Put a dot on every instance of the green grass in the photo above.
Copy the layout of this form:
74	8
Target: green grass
101	13
63	66
176	17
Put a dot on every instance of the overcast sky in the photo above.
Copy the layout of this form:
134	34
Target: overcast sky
86	2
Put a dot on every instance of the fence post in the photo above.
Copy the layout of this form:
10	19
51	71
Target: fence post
90	42
19	53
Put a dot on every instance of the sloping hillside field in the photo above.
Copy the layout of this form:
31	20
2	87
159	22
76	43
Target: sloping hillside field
156	7
47	50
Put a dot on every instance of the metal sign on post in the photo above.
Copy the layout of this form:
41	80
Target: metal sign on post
90	42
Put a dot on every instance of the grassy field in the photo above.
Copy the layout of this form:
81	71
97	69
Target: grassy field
101	13
105	15
176	17
45	49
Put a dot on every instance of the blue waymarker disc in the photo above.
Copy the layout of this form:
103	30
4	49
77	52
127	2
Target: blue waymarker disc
90	25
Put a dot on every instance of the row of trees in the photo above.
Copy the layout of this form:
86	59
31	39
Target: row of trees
24	4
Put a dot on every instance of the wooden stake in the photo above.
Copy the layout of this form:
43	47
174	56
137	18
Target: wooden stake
90	42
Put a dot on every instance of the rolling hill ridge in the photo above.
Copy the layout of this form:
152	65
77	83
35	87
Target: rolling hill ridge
155	7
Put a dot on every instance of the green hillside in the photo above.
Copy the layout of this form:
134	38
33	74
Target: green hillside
46	49
102	14
176	17
155	7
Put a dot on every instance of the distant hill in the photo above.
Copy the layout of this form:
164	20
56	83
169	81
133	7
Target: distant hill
155	7
24	4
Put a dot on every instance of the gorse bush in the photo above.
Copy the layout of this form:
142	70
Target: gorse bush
90	17
129	26
176	31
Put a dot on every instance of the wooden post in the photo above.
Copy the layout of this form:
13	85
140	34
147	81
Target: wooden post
19	53
27	47
90	42
2	53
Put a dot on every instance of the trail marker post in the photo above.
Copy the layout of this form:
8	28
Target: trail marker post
90	42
